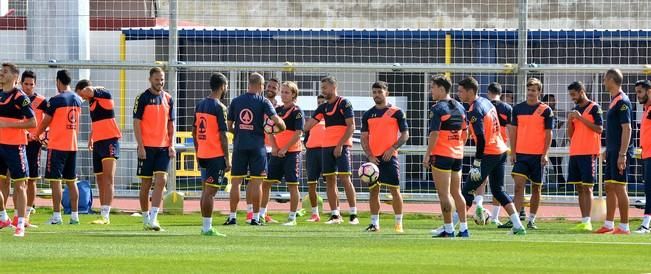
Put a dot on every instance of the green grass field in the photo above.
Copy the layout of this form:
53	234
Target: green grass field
123	247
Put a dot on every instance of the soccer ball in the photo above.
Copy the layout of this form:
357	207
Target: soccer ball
485	221
368	173
270	127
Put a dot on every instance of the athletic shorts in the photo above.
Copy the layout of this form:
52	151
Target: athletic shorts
108	149
445	164
157	160
611	172
61	165
528	166
213	171
582	170
34	159
335	166
286	167
313	160
14	159
252	162
389	171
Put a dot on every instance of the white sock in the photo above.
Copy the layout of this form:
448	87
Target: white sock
153	214
532	217
29	211
463	226
249	208
496	212
3	215
292	215
74	215
646	221
56	215
145	217
448	228
515	219
256	216
263	211
624	226
21	222
105	211
315	210
585	220
353	210
609	224
479	200
335	212
375	220
232	215
207	223
398	219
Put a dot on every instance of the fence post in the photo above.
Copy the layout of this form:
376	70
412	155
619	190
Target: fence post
171	80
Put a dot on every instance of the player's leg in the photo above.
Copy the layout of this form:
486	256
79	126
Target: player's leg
441	175
108	178
238	172
20	192
397	205
344	176
249	202
610	176
623	204
535	176
212	182
290	169
70	179
5	188
374	206
496	184
161	164
274	175
34	163
54	175
329	167
257	169
520	176
146	174
313	162
4	217
646	220
459	201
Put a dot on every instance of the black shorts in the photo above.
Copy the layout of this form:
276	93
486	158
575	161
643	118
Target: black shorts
157	160
582	170
34	159
389	173
252	162
611	172
108	149
529	167
286	167
213	171
61	165
445	164
313	160
335	166
14	159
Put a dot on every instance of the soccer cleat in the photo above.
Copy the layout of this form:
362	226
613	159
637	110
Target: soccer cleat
334	219
101	221
642	230
496	222
437	230
508	224
27	223
269	220
463	234
255	222
531	225
155	226
315	218
19	232
74	222
480	217
249	217
54	221
147	226
443	234
231	221
398	228
212	232
353	219
372	228
290	223
604	230
620	231
518	231
4	224
582	227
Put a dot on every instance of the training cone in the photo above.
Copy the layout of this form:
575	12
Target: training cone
173	202
598	212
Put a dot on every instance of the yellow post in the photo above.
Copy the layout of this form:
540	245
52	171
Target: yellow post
123	81
448	52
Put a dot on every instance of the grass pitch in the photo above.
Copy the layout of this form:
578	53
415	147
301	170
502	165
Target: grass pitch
123	247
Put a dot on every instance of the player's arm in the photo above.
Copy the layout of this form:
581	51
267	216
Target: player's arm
624	116
271	113
138	111
597	126
434	127
315	119
570	126
402	138
171	129
25	107
350	127
549	124
478	129
90	140
274	147
223	138
364	139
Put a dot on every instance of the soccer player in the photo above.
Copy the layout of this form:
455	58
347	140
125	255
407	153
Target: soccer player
340	125
643	91
211	145
153	127
490	157
447	135
531	136
271	90
62	117
584	127
313	142
103	142
384	131
286	150
246	121
619	149
16	116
